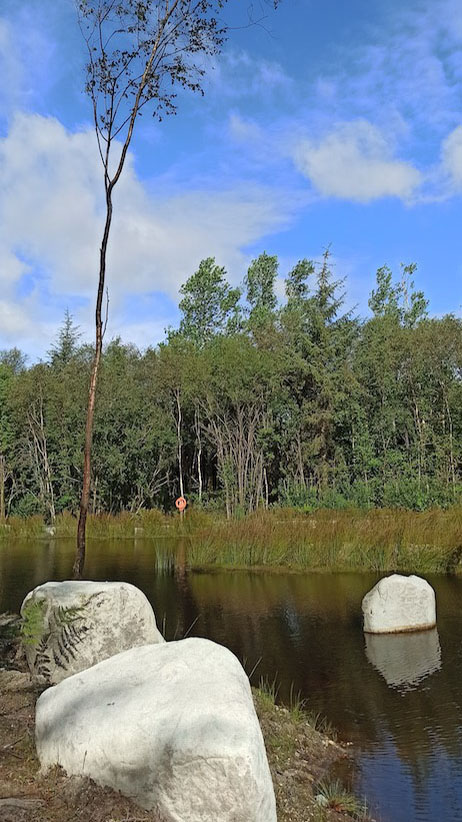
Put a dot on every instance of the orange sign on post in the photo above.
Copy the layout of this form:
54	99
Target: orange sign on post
181	504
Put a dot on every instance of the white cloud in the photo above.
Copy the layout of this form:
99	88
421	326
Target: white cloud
355	162
51	218
452	157
409	69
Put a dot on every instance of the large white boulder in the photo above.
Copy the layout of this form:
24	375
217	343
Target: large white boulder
70	626
404	660
171	726
399	603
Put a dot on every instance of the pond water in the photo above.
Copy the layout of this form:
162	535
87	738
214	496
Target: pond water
398	699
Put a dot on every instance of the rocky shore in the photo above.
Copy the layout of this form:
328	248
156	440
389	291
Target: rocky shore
300	758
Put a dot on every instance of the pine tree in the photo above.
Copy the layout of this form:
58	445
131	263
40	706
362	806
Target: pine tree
66	345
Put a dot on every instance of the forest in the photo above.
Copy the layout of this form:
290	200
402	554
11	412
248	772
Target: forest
252	402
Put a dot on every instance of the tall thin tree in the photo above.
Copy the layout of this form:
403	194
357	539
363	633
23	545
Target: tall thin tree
140	53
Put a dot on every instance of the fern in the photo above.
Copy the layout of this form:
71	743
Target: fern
33	622
65	635
57	640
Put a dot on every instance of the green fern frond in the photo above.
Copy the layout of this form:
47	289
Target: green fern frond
33	622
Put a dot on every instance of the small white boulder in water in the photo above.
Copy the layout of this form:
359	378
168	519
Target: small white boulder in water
70	626
399	603
172	726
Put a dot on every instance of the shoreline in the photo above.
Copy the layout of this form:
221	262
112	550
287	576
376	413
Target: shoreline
376	540
299	755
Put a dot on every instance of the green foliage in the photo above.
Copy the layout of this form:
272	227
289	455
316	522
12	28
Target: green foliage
57	639
260	282
209	305
33	622
268	689
334	796
66	345
300	405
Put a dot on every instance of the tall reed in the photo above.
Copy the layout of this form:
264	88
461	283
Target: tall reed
353	539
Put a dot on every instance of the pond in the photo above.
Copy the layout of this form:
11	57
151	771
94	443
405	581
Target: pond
398	699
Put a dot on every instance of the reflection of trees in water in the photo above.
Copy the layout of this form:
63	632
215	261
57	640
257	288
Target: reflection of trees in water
308	631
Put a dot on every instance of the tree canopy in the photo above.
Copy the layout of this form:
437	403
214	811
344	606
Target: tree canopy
321	407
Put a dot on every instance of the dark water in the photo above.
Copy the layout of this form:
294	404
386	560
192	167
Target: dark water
398	699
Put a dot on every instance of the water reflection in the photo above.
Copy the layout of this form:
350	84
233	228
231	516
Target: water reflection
404	660
399	699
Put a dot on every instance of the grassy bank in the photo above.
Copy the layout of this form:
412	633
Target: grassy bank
300	754
375	540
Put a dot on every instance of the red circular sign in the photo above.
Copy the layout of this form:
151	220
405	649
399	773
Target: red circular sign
180	503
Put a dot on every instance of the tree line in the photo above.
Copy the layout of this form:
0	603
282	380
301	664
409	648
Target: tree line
248	403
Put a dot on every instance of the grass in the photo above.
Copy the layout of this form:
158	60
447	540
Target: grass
375	540
334	796
301	753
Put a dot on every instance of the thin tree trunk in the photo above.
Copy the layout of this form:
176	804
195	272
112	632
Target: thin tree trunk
2	488
40	451
451	449
199	452
300	461
79	563
180	442
48	480
265	477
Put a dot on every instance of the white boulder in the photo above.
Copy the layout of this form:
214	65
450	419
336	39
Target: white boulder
70	626
399	603
171	726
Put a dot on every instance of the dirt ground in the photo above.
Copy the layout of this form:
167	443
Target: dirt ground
300	759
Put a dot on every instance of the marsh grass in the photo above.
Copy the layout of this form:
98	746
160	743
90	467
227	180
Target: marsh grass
378	540
268	689
333	795
353	539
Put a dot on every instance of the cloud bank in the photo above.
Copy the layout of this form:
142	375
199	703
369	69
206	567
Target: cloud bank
51	218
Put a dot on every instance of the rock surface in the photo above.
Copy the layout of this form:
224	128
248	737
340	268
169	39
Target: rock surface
399	603
70	626
172	726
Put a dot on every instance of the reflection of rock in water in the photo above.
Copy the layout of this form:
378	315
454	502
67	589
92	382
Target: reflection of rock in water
404	660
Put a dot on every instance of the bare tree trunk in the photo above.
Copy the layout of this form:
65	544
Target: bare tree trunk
451	449
2	488
199	451
179	440
300	461
79	563
40	453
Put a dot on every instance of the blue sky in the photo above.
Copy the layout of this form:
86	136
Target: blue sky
335	123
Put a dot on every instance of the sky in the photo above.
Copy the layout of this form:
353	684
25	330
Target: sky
329	124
